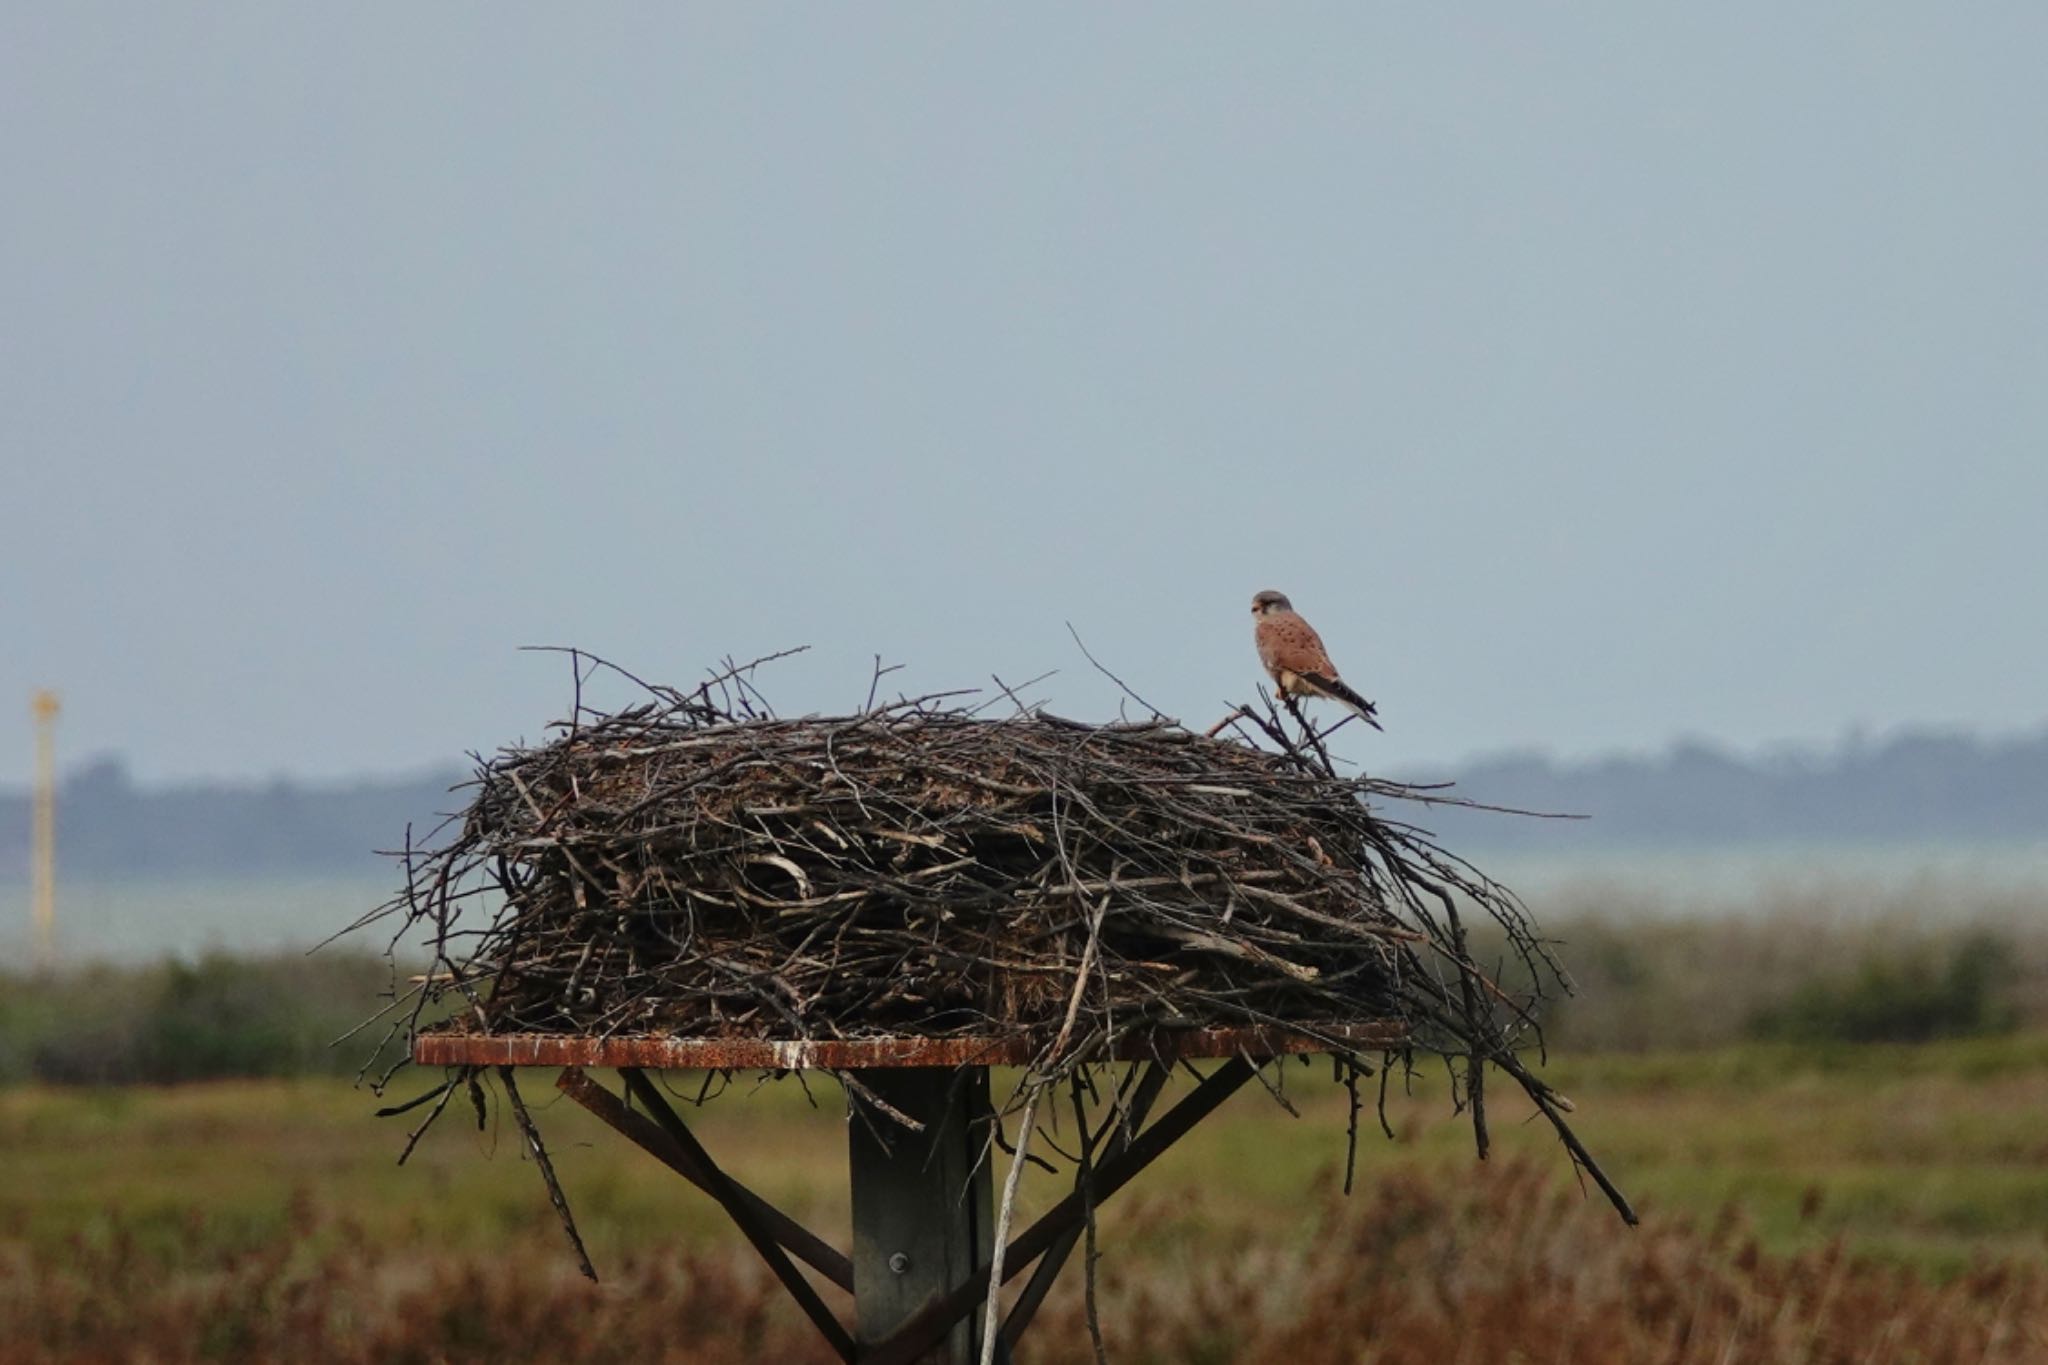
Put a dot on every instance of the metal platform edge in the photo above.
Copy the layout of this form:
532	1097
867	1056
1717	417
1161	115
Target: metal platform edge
746	1054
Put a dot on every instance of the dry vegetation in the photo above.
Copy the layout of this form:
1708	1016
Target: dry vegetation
1500	1264
1870	1204
1818	966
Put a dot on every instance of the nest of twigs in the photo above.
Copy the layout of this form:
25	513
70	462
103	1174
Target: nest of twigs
696	866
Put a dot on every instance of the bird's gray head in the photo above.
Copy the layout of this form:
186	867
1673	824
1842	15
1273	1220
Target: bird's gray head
1270	601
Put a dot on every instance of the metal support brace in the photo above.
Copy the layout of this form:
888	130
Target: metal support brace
645	1133
1120	1128
923	1206
727	1194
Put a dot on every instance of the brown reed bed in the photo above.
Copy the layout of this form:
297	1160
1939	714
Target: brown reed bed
1504	1262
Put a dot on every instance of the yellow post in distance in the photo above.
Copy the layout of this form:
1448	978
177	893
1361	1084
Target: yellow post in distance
43	847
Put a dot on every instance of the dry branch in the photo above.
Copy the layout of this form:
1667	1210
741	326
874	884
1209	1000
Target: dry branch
697	867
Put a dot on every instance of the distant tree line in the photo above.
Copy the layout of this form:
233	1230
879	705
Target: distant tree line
1915	787
110	827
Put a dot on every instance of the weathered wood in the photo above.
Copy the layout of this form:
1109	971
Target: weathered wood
935	1323
923	1202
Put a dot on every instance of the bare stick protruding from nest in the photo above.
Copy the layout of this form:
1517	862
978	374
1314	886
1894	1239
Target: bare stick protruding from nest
697	867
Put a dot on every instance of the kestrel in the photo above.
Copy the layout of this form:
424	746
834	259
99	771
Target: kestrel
1293	654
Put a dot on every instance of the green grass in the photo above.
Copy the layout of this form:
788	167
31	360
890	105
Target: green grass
1848	1196
1930	1155
1817	1200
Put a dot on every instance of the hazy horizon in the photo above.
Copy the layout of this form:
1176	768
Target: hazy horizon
1848	741
1590	378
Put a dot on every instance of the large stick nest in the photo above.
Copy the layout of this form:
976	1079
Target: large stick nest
698	867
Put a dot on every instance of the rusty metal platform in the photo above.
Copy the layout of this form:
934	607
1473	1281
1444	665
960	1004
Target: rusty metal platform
550	1049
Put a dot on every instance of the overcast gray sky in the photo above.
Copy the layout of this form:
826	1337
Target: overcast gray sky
1589	376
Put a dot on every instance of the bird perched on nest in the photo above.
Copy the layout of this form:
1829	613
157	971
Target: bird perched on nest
1294	655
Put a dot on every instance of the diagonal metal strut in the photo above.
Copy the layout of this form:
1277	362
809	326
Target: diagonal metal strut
1121	1129
645	1133
722	1188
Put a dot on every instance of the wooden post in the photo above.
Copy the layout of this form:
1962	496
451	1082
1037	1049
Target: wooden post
923	1203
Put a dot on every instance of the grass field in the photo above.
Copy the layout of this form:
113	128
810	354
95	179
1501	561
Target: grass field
1863	1203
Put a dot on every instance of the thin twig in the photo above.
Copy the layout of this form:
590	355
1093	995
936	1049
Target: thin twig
992	1321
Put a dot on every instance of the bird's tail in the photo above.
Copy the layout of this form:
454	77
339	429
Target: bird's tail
1337	691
